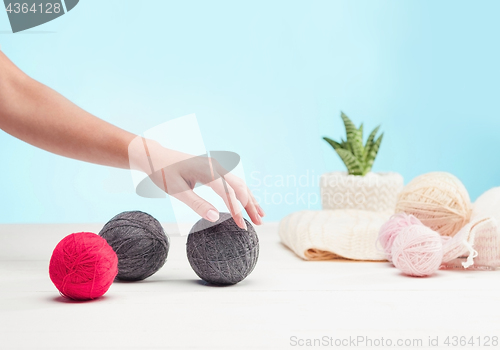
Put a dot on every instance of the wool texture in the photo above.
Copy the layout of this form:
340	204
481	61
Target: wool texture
139	242
439	200
83	266
474	246
417	251
221	253
372	192
330	234
391	229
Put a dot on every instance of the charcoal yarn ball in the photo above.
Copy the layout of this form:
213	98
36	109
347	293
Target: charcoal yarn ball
139	242
221	253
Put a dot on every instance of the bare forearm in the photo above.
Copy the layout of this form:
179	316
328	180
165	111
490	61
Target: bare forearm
42	117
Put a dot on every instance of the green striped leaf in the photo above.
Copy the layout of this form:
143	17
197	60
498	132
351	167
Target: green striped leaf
369	142
354	137
358	158
333	143
352	164
346	145
350	129
357	146
373	154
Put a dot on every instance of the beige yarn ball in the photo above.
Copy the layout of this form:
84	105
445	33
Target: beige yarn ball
439	200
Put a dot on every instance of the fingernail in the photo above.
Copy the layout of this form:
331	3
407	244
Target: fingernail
244	224
212	215
261	212
259	221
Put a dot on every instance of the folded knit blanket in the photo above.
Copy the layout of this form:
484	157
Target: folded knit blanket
352	234
330	234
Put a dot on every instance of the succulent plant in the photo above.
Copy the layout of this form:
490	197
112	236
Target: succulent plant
357	158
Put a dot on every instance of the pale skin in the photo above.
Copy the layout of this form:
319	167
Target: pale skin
38	115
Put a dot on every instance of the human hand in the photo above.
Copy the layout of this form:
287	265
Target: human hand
40	116
177	174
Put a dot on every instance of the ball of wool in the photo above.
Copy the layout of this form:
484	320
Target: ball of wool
417	251
391	229
83	266
139	242
439	200
221	253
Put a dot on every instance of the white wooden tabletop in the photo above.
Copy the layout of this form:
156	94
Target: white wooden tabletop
286	303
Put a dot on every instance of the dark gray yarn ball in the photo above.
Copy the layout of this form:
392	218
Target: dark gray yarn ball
139	242
221	253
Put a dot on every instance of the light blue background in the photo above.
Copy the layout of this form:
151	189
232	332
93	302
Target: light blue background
267	79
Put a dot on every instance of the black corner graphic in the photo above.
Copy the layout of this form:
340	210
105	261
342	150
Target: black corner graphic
70	4
27	14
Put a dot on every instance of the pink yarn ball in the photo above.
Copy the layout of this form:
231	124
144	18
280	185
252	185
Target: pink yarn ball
390	230
417	251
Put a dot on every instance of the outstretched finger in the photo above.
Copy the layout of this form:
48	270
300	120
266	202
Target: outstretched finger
226	192
257	205
246	198
198	204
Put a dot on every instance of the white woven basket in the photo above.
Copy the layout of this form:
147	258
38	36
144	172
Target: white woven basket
372	192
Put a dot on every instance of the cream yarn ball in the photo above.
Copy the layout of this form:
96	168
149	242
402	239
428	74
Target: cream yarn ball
439	200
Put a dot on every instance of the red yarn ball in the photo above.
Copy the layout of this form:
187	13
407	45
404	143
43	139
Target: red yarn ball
83	266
